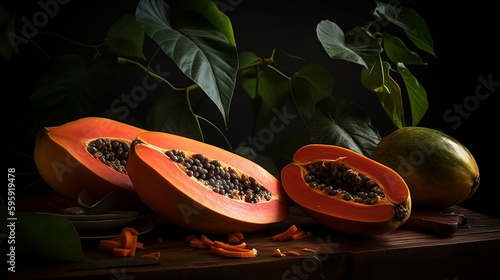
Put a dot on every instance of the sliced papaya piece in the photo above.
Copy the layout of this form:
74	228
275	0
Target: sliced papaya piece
89	153
202	187
346	191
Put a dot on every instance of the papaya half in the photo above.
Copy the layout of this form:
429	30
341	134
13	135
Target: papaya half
346	191
439	170
89	153
201	187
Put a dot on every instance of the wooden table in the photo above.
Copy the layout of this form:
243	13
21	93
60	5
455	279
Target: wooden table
472	252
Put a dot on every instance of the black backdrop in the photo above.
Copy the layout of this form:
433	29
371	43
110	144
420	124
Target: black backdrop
464	37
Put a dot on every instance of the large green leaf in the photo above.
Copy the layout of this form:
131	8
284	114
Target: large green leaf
210	11
309	85
410	21
343	123
171	114
397	51
126	37
268	88
388	91
71	89
47	237
357	46
416	94
199	49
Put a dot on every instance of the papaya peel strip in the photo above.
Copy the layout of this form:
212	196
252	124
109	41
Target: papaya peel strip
240	247
247	253
124	244
286	234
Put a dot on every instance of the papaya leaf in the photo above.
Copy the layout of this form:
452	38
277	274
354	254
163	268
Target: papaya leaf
198	48
283	149
48	237
249	73
416	94
397	51
126	37
410	21
343	123
7	29
71	89
357	46
268	89
309	85
210	11
171	114
388	91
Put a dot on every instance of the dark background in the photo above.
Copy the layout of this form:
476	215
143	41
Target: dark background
465	39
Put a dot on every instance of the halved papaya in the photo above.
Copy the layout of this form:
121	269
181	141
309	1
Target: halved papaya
201	187
346	191
88	153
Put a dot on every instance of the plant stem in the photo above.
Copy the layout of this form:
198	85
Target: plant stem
156	76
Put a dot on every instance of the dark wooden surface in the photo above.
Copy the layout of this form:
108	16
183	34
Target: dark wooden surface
472	252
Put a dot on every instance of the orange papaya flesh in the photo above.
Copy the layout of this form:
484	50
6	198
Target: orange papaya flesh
63	160
188	202
387	213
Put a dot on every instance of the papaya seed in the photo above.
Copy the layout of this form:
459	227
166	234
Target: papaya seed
113	153
221	179
339	180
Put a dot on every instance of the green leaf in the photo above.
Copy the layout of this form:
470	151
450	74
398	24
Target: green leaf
171	114
71	89
282	150
268	88
47	237
126	37
388	91
357	46
198	48
343	123
309	85
397	51
416	94
7	28
410	21
210	11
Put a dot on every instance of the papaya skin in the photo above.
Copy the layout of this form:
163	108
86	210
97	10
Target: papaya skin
188	203
438	169
347	216
64	163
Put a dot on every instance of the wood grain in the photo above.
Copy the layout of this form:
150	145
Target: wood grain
472	252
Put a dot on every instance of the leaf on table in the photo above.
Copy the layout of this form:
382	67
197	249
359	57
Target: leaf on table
48	237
